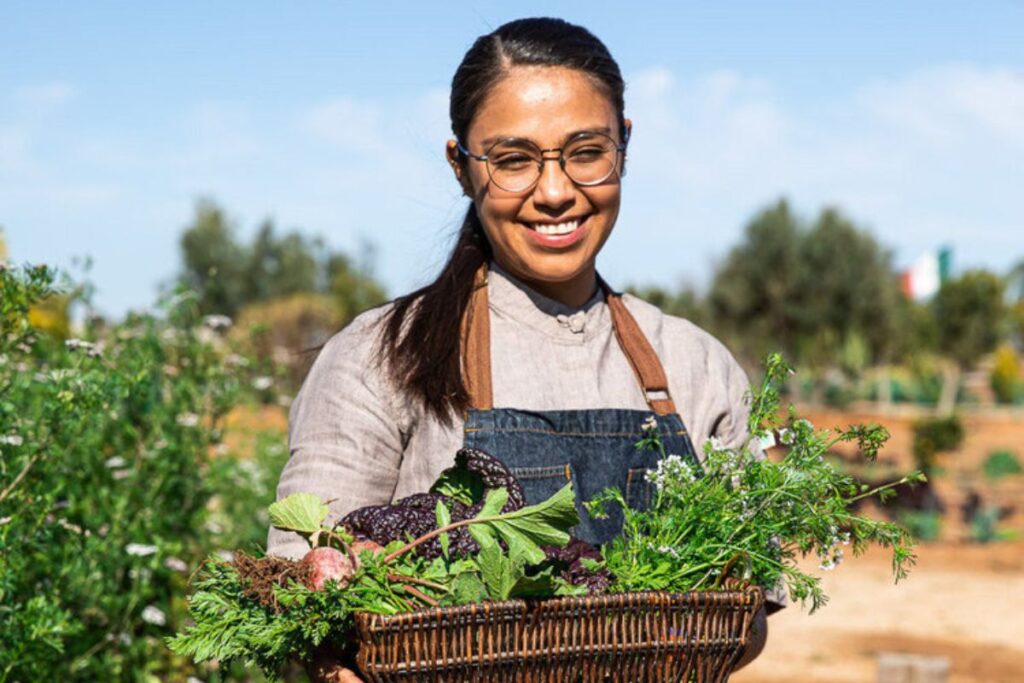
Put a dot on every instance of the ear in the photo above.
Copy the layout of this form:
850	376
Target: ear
451	152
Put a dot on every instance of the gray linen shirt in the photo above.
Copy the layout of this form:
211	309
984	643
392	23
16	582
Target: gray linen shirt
356	441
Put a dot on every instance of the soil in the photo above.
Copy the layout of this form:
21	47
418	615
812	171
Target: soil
962	602
259	576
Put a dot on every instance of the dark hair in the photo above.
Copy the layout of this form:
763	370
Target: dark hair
419	333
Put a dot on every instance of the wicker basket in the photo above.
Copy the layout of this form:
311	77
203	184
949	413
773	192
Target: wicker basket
629	637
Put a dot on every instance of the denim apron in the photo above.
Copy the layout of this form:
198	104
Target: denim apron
593	449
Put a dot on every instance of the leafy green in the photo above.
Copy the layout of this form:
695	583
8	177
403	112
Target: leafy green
301	512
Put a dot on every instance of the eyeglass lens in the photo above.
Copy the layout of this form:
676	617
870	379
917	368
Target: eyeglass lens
515	165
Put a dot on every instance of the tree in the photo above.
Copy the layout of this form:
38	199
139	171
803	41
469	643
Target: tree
754	292
848	294
970	314
213	263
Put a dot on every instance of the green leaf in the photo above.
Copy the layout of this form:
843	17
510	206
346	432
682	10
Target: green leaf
494	502
462	485
444	518
301	512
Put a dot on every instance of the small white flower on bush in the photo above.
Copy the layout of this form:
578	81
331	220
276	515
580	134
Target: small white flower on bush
668	550
115	462
233	360
217	322
187	419
226	555
151	614
673	472
139	549
11	440
650	424
262	383
89	347
176	564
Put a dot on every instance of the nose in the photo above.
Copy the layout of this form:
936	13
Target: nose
554	188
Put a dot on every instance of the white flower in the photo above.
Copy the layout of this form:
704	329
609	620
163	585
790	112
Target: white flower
714	444
5	520
152	614
786	436
176	564
650	424
262	383
235	361
115	462
668	550
121	474
81	345
11	440
217	322
140	550
226	555
187	419
213	527
673	472
193	679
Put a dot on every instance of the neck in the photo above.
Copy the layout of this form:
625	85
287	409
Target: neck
573	292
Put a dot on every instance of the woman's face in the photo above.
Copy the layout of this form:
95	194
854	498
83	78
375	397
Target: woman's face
546	105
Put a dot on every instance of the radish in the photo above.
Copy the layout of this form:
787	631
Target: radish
327	564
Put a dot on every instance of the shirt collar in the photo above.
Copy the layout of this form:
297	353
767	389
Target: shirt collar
515	299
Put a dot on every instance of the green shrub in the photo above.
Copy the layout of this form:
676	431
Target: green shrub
1005	376
104	485
1000	464
924	525
933	435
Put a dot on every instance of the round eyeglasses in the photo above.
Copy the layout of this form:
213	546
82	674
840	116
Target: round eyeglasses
515	164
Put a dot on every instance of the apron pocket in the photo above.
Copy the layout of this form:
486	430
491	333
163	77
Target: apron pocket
540	483
638	489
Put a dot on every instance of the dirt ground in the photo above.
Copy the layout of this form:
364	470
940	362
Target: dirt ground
963	601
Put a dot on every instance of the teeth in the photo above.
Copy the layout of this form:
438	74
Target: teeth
556	228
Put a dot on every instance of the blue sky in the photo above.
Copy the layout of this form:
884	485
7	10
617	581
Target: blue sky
116	116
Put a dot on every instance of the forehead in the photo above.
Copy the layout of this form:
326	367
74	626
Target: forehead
544	104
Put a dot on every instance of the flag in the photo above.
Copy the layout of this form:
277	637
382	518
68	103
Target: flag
925	275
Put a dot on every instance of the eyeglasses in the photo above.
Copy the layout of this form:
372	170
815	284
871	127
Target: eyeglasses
515	164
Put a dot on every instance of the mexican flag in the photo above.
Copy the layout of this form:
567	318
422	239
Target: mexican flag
925	275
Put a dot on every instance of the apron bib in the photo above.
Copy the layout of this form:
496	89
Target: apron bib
594	449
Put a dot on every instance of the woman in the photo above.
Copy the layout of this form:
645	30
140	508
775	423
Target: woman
517	347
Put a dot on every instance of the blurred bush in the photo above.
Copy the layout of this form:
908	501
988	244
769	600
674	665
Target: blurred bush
1005	376
114	484
933	435
1001	464
924	525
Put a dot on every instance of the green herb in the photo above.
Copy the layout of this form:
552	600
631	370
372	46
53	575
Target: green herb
747	516
231	623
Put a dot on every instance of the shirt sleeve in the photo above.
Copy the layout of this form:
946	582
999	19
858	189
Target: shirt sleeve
344	436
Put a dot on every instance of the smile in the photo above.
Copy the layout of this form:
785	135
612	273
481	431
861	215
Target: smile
560	235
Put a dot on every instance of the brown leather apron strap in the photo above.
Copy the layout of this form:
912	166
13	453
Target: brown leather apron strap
476	350
640	354
476	345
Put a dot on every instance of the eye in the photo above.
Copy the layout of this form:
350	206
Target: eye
587	154
513	161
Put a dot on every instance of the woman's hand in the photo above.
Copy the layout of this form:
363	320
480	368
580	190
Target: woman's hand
325	668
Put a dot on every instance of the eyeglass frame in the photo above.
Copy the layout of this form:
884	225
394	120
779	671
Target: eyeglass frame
620	149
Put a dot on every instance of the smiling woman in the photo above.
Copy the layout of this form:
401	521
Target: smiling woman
518	348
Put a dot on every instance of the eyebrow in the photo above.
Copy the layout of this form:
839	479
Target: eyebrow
488	142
